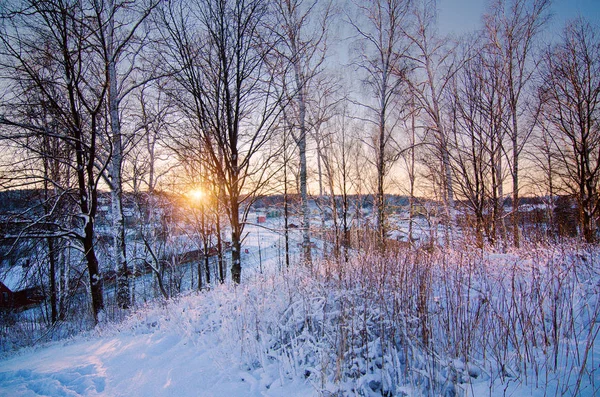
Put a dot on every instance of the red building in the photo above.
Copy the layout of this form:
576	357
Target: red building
19	299
6	296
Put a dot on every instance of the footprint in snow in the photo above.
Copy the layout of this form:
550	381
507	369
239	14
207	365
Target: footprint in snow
76	381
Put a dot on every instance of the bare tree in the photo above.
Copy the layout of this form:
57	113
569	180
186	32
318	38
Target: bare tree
494	112
382	59
37	169
410	160
512	26
476	113
301	30
153	211
570	96
285	159
323	106
343	177
546	159
219	51
472	167
147	159
433	67
44	49
119	43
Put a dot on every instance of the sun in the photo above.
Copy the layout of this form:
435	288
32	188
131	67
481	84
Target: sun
196	195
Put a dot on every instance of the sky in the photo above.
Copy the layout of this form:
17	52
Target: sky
462	16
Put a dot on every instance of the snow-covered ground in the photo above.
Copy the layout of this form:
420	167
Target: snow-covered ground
175	350
518	324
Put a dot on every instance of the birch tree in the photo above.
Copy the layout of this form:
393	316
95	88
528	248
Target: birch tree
341	152
433	65
218	50
301	31
570	96
512	27
119	42
44	49
382	47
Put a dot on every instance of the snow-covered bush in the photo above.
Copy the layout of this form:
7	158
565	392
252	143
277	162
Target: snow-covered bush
441	323
461	322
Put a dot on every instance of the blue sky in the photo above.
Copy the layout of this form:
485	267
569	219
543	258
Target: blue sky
461	16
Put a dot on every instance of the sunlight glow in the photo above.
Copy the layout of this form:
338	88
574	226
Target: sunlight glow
196	195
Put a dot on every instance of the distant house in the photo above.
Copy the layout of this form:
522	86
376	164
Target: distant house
6	296
19	299
273	214
261	219
14	295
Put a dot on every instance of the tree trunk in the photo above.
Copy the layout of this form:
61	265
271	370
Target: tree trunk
300	87
199	275
53	286
236	234
219	246
207	268
303	187
286	215
119	247
436	114
320	176
88	202
380	196
515	181
63	288
93	270
236	264
411	174
450	207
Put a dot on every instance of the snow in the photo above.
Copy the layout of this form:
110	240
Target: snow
179	351
12	277
176	349
357	330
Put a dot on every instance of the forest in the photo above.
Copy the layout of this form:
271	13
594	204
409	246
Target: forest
373	206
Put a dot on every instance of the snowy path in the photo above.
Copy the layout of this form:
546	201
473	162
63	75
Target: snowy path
126	365
178	351
174	352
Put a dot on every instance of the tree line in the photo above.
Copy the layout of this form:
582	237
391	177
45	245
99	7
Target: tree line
242	98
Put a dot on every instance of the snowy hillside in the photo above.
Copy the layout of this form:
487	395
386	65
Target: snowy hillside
185	348
453	323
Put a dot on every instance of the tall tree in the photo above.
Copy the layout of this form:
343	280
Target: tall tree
570	96
382	59
433	66
469	126
512	26
45	49
119	42
216	51
478	118
301	30
40	160
340	158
